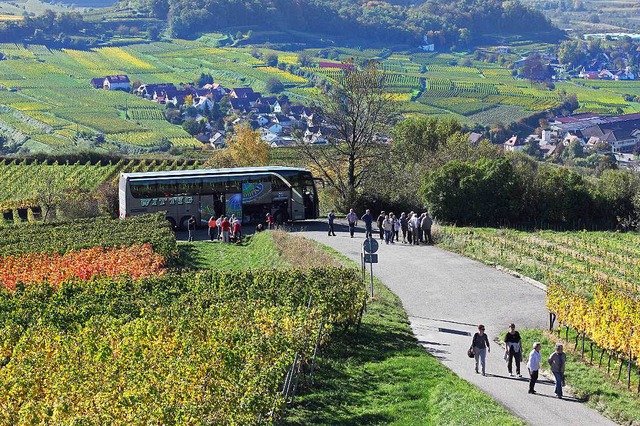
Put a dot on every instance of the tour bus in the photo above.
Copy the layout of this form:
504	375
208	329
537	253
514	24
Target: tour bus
249	193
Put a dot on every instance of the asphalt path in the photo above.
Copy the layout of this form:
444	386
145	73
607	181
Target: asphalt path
446	296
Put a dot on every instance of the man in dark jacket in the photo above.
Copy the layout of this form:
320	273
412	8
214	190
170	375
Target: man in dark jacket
331	217
367	218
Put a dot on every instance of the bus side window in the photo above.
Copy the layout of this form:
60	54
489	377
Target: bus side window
143	190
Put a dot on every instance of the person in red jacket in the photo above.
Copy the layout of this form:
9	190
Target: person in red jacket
270	221
225	225
212	227
237	231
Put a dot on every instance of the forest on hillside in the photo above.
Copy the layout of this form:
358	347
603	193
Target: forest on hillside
450	23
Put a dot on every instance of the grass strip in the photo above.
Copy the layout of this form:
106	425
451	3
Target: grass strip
255	251
587	381
381	376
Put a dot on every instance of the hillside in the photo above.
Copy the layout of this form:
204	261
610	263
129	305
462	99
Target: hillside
451	24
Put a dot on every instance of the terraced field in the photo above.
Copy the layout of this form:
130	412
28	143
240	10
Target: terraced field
46	99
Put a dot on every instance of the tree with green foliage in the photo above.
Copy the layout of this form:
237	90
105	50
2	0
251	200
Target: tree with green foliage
204	79
270	59
361	112
532	148
480	192
194	126
273	85
305	59
534	69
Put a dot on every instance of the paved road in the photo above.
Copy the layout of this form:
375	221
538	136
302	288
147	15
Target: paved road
446	296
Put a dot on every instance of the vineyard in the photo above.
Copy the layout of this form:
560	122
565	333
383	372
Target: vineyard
126	342
16	192
46	99
593	278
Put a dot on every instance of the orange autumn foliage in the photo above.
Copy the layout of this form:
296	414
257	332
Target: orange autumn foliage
136	261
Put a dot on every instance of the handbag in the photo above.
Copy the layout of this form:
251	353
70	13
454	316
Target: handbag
470	352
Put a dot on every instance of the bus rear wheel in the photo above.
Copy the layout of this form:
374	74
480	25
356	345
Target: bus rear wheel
172	223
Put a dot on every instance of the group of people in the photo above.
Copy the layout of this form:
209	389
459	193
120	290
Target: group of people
415	227
513	352
225	229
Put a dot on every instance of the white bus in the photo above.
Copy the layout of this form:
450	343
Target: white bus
249	193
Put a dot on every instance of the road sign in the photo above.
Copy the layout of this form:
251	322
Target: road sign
370	258
370	245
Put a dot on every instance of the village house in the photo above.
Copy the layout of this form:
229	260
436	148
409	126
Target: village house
112	82
621	133
514	143
117	82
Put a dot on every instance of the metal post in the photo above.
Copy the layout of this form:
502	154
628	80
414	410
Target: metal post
371	277
315	350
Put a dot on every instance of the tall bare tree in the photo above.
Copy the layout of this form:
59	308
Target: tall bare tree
361	113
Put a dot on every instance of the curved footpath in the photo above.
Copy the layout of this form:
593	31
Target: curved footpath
445	296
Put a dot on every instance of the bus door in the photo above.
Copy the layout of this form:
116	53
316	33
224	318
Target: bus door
211	205
297	204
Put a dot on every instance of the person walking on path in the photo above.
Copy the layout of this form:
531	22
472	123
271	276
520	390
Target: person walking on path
388	229
480	344
367	218
331	217
425	224
396	228
212	228
218	223
225	226
404	226
414	224
191	227
352	218
557	361
533	365
513	349
380	222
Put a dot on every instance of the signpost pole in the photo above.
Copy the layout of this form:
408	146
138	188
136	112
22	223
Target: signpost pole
371	277
369	247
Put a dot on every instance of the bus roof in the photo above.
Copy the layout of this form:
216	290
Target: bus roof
205	172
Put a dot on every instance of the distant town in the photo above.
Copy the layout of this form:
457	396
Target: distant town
280	122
